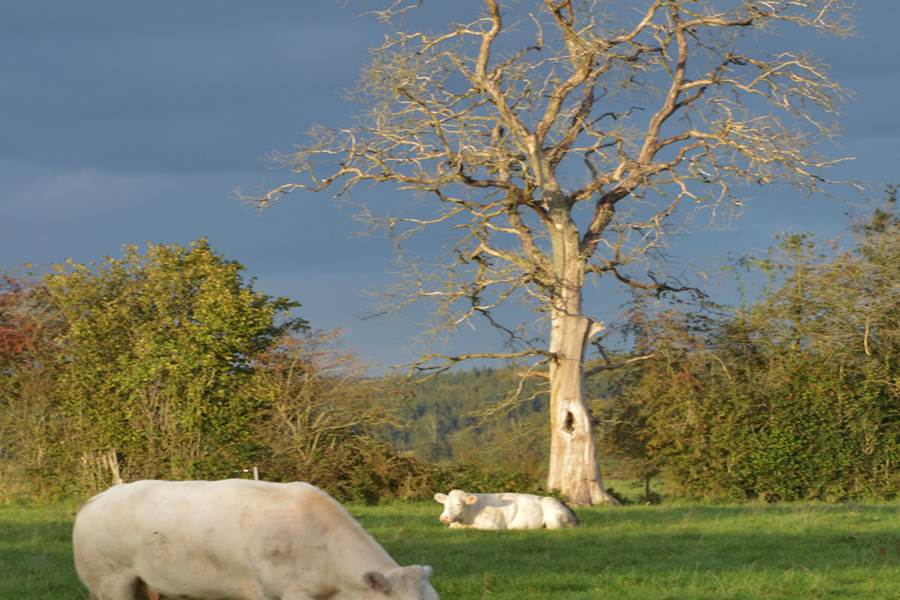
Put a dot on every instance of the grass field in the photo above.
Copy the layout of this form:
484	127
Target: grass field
677	551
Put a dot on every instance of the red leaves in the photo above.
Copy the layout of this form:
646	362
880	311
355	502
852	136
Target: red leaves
17	328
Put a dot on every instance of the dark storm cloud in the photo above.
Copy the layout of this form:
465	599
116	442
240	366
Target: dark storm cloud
166	86
213	85
123	122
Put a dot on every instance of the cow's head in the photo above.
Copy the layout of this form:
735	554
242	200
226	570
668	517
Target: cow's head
455	505
402	583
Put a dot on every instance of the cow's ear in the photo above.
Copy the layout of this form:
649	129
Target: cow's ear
376	581
440	498
471	499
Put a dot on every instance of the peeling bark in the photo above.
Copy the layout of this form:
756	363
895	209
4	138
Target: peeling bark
574	462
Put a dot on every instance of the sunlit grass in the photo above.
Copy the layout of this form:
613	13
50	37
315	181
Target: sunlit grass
689	551
669	551
36	553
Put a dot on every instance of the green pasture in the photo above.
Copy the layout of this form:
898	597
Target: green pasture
676	551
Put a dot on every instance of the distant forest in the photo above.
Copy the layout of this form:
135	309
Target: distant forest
481	417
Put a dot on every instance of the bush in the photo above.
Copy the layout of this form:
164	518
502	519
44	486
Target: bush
794	397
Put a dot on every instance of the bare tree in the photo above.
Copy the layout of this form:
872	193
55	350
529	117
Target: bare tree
561	144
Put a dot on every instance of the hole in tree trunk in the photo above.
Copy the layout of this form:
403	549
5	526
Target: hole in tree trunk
570	422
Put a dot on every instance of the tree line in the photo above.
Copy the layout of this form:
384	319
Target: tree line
793	396
168	363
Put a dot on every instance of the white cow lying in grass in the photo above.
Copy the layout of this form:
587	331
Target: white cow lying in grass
504	511
235	539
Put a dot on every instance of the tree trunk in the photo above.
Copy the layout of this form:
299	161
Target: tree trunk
574	463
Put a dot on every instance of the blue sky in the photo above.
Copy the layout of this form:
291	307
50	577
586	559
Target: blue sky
132	122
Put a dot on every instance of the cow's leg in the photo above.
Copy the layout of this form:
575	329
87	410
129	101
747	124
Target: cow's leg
145	592
551	521
260	592
117	587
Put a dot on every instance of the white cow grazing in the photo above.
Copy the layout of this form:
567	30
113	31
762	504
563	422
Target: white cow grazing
504	511
234	539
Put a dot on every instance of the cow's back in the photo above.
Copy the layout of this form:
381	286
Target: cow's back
525	511
209	539
519	511
166	513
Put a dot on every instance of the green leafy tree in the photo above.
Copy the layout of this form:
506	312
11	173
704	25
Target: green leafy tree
155	361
